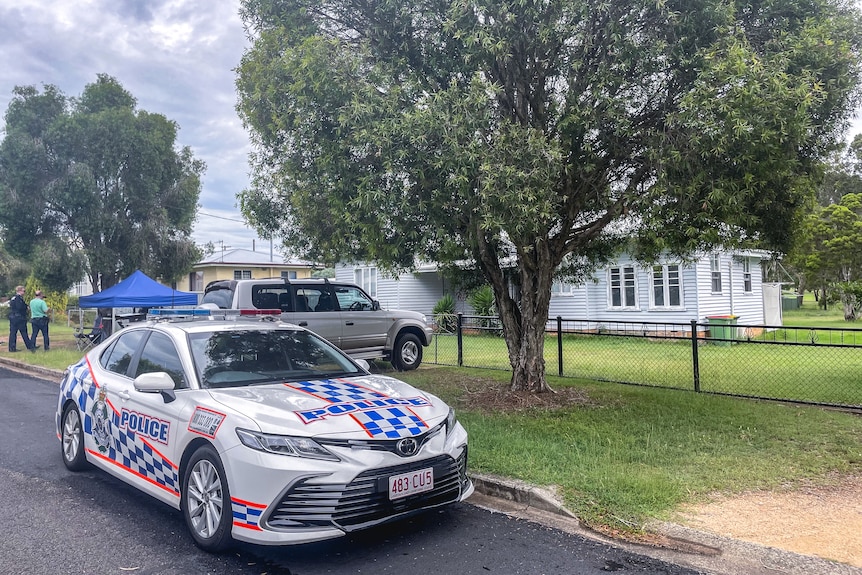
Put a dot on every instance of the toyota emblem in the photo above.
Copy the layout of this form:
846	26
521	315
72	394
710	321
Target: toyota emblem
407	446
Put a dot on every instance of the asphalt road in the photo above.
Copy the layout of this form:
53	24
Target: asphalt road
57	522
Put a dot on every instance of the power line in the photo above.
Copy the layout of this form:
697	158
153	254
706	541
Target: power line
221	217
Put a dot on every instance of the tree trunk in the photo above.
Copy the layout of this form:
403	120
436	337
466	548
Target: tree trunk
527	351
523	321
528	367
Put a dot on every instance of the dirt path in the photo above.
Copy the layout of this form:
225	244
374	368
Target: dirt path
813	520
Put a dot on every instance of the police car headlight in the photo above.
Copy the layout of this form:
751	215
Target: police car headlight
451	420
284	445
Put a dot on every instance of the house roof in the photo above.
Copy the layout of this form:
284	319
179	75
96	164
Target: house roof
242	257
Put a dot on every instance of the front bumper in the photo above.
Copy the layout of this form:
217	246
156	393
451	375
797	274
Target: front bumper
320	500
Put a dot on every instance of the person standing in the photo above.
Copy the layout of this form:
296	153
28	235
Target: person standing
39	319
18	320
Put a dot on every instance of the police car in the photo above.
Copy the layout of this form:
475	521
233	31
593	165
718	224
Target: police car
257	430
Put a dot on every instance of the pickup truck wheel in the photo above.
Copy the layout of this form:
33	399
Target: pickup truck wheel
407	354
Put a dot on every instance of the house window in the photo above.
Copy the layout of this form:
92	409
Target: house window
666	286
196	281
746	275
366	278
623	287
288	275
715	269
242	274
560	288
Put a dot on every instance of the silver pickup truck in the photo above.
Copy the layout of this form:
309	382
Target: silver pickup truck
341	312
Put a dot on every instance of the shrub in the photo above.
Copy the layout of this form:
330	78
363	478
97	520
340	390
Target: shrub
482	300
444	314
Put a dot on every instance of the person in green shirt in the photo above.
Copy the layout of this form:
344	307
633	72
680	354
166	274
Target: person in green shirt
39	319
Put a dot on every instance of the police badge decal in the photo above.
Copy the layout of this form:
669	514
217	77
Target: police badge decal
101	423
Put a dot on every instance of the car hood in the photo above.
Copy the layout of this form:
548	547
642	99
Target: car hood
367	407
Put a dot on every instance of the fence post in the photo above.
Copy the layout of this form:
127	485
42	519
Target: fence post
694	360
560	346
460	340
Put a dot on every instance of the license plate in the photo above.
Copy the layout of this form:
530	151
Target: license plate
410	483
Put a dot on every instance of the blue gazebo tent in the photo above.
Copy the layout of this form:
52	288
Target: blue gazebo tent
139	290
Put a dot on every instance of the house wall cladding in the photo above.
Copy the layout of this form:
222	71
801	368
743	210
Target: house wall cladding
418	292
747	306
591	301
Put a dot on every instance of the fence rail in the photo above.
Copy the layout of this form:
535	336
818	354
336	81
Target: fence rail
821	366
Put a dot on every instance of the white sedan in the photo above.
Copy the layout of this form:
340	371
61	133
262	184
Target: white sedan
258	431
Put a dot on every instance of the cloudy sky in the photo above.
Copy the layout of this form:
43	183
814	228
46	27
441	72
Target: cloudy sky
175	56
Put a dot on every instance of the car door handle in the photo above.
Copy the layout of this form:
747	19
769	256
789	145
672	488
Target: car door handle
303	324
348	323
124	395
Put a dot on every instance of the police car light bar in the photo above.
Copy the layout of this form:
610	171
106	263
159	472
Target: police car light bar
178	312
204	313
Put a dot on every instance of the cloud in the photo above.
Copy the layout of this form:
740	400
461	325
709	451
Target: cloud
176	57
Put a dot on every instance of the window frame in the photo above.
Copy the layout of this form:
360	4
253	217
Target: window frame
623	271
196	281
242	275
560	288
366	278
747	285
715	273
667	286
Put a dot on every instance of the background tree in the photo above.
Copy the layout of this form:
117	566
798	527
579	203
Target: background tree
535	138
842	173
821	257
13	272
94	184
828	254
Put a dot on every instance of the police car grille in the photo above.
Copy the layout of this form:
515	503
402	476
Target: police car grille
390	445
365	500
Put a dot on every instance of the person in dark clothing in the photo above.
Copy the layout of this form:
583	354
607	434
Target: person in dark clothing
18	320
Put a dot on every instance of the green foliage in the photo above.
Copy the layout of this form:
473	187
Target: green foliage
827	252
842	173
482	301
444	314
92	184
525	136
851	299
13	272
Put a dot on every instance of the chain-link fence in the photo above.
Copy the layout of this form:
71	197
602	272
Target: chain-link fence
800	364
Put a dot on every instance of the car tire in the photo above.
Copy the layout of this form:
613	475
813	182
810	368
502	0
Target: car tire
407	354
206	501
72	440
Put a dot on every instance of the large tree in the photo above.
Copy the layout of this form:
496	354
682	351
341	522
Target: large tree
94	184
534	138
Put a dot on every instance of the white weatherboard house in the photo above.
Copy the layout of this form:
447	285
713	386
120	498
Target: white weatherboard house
715	284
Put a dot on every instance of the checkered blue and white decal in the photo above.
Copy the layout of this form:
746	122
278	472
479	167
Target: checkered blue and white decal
380	415
118	442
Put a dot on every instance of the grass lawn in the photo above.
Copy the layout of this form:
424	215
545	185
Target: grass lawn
624	454
621	454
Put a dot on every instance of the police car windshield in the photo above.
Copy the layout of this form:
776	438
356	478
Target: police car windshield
246	357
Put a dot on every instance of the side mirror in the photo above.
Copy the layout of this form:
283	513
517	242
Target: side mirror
154	382
375	305
363	364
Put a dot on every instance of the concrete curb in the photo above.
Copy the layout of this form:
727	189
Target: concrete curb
36	370
520	492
